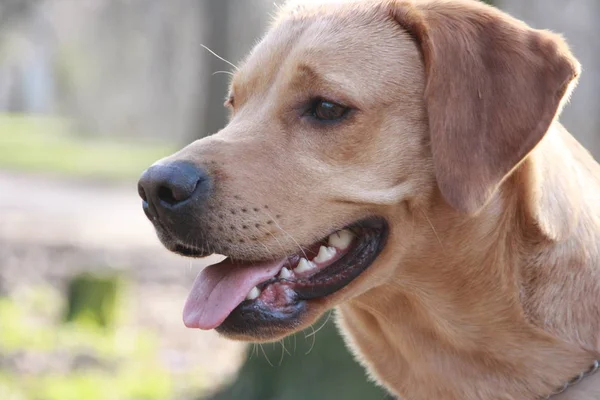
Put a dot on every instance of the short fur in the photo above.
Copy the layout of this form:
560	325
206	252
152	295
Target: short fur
489	285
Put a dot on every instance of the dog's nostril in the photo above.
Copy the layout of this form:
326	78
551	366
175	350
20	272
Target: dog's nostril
169	196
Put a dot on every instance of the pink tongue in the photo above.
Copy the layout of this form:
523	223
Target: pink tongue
220	288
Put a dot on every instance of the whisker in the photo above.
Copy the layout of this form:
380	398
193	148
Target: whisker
433	229
313	342
295	342
314	332
284	231
223	72
253	350
283	351
265	354
266	248
277	240
286	350
220	58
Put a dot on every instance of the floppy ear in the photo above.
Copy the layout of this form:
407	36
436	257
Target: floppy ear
493	88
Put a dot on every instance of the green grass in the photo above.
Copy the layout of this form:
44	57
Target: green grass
48	144
142	383
133	367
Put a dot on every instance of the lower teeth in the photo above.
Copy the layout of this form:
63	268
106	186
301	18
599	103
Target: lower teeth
253	294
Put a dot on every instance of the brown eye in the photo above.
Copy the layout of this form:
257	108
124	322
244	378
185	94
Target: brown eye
324	110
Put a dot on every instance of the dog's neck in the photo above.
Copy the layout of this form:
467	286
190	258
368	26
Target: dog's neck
482	307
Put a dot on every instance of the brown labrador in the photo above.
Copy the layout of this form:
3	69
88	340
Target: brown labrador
401	161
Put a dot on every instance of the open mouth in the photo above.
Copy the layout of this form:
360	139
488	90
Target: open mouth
238	297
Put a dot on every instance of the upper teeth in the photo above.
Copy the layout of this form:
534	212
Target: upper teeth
325	254
341	239
304	265
253	294
285	273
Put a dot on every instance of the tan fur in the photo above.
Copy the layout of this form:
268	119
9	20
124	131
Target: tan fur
489	285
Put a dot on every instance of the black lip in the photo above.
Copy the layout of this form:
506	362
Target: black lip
189	251
253	317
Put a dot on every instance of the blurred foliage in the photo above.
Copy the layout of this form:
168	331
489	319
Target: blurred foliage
314	365
92	300
142	384
48	144
42	358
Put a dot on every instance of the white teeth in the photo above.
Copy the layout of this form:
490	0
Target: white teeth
341	239
325	254
285	273
304	265
254	293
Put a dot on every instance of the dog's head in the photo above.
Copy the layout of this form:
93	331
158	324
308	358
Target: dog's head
346	120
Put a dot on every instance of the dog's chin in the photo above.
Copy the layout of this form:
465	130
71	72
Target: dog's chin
286	295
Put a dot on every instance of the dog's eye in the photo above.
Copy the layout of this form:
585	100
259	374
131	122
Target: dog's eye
324	110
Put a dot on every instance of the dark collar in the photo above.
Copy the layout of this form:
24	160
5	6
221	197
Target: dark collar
591	371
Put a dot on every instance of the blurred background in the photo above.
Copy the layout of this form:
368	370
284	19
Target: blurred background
91	93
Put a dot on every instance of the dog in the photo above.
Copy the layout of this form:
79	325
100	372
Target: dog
402	162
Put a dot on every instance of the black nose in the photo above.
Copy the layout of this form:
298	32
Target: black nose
170	186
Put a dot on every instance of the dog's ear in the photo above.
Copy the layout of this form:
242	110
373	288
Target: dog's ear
493	88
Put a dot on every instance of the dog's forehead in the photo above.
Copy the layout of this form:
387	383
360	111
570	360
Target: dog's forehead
345	42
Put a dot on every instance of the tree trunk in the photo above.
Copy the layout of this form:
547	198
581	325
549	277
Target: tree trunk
217	39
